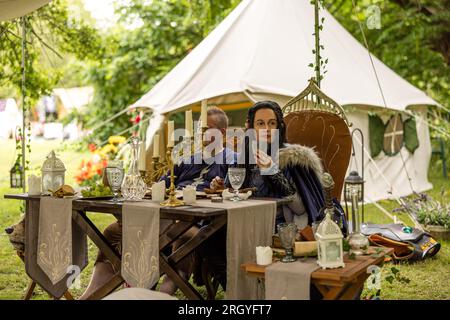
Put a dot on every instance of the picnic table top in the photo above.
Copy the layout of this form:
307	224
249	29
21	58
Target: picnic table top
109	206
352	270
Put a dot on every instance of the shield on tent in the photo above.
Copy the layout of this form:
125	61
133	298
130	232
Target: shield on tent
393	135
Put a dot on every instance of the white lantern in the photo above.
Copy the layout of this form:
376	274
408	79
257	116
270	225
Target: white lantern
329	243
52	173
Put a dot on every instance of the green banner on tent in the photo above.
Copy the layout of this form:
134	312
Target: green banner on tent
376	134
410	131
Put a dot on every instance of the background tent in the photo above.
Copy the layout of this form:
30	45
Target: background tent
10	9
262	51
69	99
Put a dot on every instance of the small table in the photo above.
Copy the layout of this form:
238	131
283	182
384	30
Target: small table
341	283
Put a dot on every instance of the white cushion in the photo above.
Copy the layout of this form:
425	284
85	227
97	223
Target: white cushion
138	294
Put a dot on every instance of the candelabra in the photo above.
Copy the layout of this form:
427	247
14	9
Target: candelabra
172	201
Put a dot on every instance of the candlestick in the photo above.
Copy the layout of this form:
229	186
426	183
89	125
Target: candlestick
156	145
172	201
189	123
170	130
204	114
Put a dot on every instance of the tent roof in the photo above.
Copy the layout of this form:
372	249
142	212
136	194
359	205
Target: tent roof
263	47
10	9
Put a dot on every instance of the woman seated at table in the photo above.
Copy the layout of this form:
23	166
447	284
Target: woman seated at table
296	177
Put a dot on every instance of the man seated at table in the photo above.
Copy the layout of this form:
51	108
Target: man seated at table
199	174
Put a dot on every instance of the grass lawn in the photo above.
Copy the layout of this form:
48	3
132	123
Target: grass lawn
429	279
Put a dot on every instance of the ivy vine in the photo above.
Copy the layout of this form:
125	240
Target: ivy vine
319	63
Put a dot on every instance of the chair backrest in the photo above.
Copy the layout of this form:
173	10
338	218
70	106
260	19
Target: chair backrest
315	120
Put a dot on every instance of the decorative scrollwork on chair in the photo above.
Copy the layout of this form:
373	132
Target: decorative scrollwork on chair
315	120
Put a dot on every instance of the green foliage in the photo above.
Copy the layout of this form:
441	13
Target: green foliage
428	211
49	30
137	59
413	40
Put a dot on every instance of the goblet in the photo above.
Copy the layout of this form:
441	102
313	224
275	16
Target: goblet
236	177
115	178
287	232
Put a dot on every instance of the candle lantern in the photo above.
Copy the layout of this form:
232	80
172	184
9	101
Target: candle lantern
328	235
53	171
329	243
16	175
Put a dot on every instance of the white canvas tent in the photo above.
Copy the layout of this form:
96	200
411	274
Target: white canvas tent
262	51
10	9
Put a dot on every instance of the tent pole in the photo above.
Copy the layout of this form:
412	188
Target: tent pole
317	40
23	88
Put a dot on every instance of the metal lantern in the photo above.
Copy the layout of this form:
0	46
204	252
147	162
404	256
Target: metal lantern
354	187
52	173
329	243
16	175
354	183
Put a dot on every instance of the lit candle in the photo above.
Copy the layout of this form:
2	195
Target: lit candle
142	154
170	130
156	145
189	123
203	115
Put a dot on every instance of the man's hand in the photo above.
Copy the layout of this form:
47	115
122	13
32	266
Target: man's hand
217	183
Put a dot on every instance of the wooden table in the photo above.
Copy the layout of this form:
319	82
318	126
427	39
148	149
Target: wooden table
337	284
186	217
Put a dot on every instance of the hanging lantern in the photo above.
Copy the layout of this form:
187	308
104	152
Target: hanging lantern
52	173
16	175
329	243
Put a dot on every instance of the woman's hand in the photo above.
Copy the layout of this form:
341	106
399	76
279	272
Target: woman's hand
217	183
263	160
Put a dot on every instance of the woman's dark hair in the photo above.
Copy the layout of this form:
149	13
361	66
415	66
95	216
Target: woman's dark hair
272	105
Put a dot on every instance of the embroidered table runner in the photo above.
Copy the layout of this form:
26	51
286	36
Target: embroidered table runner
140	243
250	223
289	281
55	237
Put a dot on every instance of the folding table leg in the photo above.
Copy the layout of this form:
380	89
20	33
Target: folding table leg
30	290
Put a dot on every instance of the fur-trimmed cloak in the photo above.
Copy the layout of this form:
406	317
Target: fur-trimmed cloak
303	166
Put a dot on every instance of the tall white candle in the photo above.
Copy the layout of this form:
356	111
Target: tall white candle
189	123
142	156
170	130
156	145
203	114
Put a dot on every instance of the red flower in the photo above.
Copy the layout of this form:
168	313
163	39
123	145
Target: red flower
137	119
92	147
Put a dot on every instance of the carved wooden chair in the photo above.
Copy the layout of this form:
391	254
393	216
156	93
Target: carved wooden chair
315	120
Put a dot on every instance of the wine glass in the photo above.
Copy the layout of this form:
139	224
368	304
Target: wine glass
115	178
236	177
287	232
